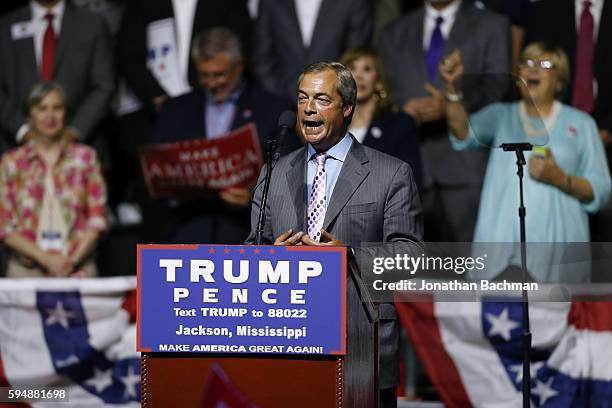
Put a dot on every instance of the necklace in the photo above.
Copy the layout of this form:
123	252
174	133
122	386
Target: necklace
548	121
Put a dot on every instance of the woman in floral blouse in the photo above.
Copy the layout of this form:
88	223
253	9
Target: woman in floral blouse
52	195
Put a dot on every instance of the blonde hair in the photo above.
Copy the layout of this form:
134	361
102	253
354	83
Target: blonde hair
353	54
39	91
558	58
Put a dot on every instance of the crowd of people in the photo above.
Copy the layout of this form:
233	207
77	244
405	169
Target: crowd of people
438	84
125	74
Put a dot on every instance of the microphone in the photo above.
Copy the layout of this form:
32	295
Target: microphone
286	123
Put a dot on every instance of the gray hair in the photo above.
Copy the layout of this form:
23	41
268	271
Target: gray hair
39	91
345	83
214	41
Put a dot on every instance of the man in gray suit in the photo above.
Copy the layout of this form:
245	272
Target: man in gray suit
334	191
412	47
52	40
289	34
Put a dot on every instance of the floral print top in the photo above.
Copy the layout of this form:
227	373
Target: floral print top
78	186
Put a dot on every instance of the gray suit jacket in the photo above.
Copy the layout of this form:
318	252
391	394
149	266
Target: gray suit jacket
484	40
83	66
374	208
280	54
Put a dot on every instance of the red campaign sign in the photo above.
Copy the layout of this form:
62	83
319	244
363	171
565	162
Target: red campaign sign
200	165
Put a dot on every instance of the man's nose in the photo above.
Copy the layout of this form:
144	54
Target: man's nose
311	107
212	83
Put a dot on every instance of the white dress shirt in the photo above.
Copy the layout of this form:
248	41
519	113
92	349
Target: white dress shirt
596	8
39	24
307	12
253	6
184	12
431	14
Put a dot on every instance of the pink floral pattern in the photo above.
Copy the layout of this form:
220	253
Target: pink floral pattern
78	184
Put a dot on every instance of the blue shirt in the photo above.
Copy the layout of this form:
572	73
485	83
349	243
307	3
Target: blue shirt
333	165
220	115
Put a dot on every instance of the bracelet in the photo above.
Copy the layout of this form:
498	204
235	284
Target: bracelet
568	184
454	97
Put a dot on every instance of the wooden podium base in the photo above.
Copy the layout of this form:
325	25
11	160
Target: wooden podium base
170	381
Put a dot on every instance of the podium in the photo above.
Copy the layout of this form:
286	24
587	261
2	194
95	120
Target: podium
347	379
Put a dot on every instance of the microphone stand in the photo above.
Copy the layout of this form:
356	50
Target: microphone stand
270	148
519	148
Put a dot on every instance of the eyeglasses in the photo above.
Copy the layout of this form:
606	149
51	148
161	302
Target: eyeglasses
541	64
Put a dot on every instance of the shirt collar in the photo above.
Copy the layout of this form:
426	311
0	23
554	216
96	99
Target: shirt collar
233	98
337	151
38	11
595	5
32	154
448	13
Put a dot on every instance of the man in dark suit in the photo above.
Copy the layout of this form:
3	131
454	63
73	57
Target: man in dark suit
412	47
290	34
140	15
584	32
335	191
224	101
52	40
142	91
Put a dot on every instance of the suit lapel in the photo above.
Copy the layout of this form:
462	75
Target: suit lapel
321	23
293	24
243	113
201	110
296	179
351	176
603	36
460	30
28	54
566	17
67	32
420	58
199	18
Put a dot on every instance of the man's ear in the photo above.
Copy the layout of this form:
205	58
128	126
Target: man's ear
347	110
239	64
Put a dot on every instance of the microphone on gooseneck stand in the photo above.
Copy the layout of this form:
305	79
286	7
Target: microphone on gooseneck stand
286	123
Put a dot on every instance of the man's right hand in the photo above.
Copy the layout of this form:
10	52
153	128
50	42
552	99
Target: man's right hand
606	137
158	101
289	238
411	107
58	265
451	69
236	197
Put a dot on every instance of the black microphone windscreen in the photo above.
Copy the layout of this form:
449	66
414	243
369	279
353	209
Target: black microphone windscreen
287	118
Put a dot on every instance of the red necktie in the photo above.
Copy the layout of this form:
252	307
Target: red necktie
48	50
582	95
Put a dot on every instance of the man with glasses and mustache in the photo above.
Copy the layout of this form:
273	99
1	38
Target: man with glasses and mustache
224	101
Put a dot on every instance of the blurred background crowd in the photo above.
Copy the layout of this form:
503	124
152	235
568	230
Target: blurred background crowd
85	83
131	73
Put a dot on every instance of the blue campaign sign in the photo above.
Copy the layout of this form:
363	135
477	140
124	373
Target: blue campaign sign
241	299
